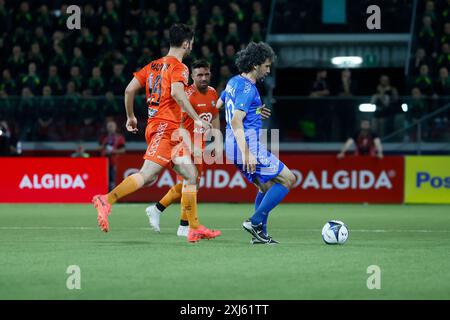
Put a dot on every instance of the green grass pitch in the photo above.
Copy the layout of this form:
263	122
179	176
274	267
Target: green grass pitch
410	244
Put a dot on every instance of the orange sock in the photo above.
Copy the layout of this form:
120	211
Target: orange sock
173	195
183	215
127	186
189	205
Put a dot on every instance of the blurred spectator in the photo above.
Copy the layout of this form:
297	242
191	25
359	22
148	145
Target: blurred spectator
385	100
172	15
110	18
442	84
78	59
145	57
96	83
86	42
104	40
46	111
229	58
36	57
54	80
210	38
446	36
112	145
150	20
233	37
443	60
21	37
23	17
118	82
76	78
8	84
427	36
256	35
225	75
446	11
31	79
320	86
59	58
41	39
257	14
193	17
237	14
367	142
430	11
8	141
424	81
346	85
80	152
111	107
89	18
90	115
16	62
418	106
420	58
26	114
217	19
43	19
207	55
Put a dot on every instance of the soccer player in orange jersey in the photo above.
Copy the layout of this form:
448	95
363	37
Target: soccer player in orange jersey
203	98
164	81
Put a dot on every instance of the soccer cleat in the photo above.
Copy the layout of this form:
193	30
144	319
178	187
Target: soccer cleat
255	231
183	231
271	241
103	211
202	232
153	217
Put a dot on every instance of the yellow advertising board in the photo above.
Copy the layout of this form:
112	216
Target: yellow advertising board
427	179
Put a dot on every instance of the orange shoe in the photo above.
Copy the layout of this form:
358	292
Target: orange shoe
103	210
202	232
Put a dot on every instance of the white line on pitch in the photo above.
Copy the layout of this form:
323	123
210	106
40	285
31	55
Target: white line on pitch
226	229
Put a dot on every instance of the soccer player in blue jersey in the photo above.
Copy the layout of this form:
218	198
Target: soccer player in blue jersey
243	138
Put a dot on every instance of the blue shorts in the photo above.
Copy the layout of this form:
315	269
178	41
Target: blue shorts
267	168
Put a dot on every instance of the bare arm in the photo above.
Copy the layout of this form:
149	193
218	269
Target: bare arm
346	146
379	147
220	104
130	92
216	122
249	160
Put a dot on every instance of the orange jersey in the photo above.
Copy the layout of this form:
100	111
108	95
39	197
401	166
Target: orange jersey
203	104
157	77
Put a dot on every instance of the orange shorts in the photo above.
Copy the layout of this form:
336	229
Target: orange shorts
158	135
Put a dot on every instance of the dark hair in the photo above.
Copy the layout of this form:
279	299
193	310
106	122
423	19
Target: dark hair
200	63
180	33
253	55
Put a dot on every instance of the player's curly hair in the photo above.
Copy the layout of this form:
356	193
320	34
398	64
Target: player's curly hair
253	55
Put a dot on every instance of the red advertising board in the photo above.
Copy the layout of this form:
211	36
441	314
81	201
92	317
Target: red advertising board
320	179
52	180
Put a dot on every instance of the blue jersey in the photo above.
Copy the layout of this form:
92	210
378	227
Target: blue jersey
242	94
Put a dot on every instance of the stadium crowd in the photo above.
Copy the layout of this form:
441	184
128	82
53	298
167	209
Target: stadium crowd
40	56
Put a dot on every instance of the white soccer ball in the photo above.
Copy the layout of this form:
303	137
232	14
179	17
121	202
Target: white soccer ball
334	232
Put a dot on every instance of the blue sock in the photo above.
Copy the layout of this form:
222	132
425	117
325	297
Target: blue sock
258	199
272	198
